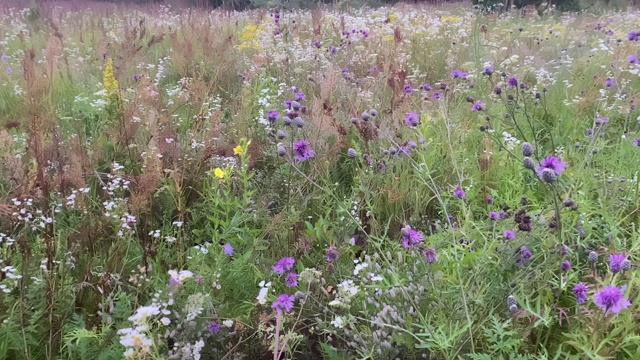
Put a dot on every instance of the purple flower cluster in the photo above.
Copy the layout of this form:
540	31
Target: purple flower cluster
410	237
457	73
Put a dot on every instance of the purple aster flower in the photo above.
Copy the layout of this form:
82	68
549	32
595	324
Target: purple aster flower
512	82
412	119
636	142
431	255
610	298
459	192
410	237
300	96
291	279
565	265
509	234
227	249
284	302
284	264
457	73
273	115
609	82
332	253
214	327
553	163
302	149
478	105
494	215
615	262
633	60
633	35
408	89
580	291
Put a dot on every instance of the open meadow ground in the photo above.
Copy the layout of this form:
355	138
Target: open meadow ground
393	183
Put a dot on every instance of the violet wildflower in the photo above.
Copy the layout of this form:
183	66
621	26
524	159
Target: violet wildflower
565	265
302	149
300	96
478	106
332	253
459	192
633	60
284	264
636	142
488	70
410	237
457	73
437	95
580	291
494	215
287	104
412	119
227	249
610	298
633	35
273	115
609	82
365	116
431	255
601	120
556	165
425	87
525	254
284	302
489	199
512	82
509	234
408	89
291	279
497	90
615	262
213	327
527	149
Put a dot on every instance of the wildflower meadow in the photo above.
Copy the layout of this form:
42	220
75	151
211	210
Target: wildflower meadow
401	182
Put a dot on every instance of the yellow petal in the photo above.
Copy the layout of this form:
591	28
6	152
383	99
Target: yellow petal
237	150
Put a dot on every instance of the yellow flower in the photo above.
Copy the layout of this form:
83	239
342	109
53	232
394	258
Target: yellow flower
392	17
110	82
237	150
221	174
451	19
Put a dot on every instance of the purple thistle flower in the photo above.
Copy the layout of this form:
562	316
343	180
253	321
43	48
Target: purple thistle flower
408	89
431	255
565	265
273	115
601	120
610	298
553	163
410	237
332	253
300	96
284	264
459	192
615	262
412	119
302	149
489	199
227	249
457	73
291	279
437	95
509	234
609	82
525	254
478	106
494	215
636	142
580	291
287	104
425	87
497	90
512	82
213	327
488	70
633	60
633	35
284	302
